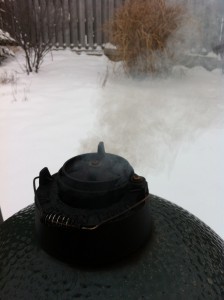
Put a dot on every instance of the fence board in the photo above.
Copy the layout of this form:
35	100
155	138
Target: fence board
105	17
15	9
98	22
111	14
36	23
38	20
30	18
73	24
81	22
54	15
42	34
111	9
89	19
50	22
58	23
65	23
118	4
43	21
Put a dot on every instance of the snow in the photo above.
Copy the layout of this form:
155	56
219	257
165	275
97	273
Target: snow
5	51
5	36
170	129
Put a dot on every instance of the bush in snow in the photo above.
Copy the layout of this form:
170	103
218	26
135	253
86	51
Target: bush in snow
25	25
141	30
5	40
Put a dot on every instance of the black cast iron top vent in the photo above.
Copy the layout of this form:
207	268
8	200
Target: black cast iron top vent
94	210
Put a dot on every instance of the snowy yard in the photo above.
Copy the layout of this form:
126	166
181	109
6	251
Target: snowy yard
170	129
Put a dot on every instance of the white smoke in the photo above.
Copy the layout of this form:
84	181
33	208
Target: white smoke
150	120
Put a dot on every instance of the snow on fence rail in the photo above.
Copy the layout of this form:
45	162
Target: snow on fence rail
79	23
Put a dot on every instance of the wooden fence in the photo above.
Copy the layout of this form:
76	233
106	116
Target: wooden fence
80	23
74	23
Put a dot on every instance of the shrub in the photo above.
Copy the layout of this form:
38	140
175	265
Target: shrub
25	23
141	31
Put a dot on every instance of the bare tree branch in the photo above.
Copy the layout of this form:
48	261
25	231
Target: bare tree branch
24	20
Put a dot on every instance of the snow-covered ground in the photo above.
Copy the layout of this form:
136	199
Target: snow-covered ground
170	129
